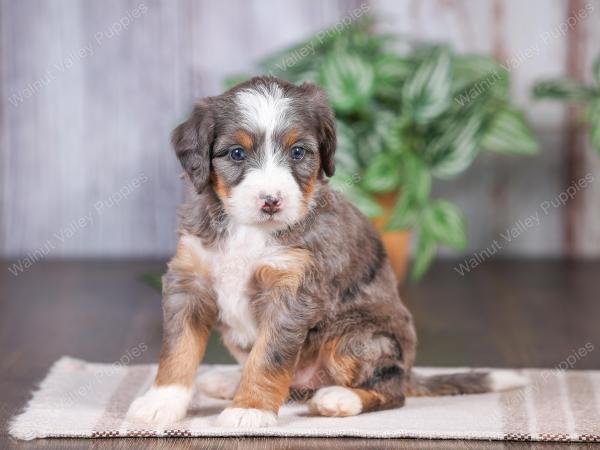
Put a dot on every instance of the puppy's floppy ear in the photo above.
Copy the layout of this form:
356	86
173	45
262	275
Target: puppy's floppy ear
325	127
192	141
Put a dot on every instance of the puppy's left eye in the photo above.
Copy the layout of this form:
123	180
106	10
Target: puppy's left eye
297	153
237	154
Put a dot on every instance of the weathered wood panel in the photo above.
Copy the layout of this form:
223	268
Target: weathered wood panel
91	90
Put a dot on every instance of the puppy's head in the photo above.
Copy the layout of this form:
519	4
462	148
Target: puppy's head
261	147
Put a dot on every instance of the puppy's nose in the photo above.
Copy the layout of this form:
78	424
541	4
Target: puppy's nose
271	204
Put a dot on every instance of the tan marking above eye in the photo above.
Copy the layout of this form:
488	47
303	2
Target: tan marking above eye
290	137
244	139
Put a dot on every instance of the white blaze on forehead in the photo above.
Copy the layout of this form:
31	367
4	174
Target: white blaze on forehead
263	108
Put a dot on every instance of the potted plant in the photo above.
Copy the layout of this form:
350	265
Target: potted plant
404	120
573	91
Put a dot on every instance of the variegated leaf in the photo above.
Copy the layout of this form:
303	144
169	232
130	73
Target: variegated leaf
456	149
391	71
445	223
427	93
414	194
508	132
477	75
348	80
564	89
346	153
382	174
426	250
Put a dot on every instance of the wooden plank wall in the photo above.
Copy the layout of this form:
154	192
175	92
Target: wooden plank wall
91	89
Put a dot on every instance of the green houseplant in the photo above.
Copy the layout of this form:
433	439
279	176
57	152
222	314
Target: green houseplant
405	119
571	90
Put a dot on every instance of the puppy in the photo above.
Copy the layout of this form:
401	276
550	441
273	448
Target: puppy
294	277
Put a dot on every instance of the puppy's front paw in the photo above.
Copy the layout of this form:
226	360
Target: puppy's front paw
335	401
246	418
220	383
160	405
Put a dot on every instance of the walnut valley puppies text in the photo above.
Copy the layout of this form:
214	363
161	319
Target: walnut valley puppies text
75	226
77	55
524	225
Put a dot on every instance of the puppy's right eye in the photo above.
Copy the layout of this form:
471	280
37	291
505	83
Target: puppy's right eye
237	154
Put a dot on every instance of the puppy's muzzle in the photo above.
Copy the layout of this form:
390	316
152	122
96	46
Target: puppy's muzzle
271	204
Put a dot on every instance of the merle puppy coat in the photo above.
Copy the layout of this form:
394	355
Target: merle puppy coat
294	277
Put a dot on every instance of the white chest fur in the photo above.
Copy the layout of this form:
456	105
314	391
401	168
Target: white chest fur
231	265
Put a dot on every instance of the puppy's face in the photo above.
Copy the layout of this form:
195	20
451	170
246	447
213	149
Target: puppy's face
261	147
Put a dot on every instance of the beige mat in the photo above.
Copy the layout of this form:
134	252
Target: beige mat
79	399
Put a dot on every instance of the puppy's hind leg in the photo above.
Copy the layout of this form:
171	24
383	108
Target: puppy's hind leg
381	393
361	384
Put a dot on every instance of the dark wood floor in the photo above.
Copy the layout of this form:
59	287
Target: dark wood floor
505	313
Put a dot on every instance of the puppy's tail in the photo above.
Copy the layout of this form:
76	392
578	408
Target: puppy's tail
474	382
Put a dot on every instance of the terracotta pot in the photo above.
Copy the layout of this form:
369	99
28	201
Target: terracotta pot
397	243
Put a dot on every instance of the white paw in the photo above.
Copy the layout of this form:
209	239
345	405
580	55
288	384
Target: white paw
220	383
335	401
161	405
246	418
505	380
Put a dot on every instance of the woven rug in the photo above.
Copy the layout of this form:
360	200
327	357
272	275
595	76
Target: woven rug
86	400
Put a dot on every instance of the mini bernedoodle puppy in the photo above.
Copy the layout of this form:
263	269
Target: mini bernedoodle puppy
295	278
